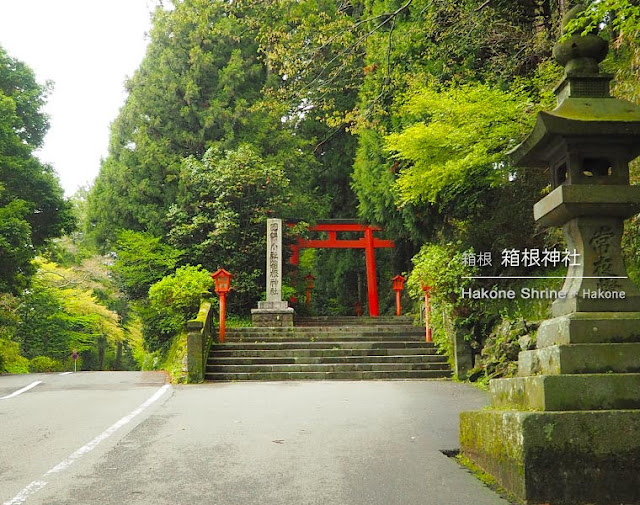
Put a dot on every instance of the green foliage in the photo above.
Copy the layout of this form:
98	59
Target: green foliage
59	314
21	93
499	355
44	364
374	184
32	207
221	212
16	250
44	327
141	260
237	321
174	358
443	269
620	23
135	340
172	302
456	141
199	86
623	16
442	100
244	110
65	309
11	361
183	290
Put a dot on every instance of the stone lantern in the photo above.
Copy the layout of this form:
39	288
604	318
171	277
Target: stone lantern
567	429
587	142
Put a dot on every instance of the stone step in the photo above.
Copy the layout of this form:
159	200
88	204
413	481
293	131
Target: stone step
353	320
359	375
346	348
608	391
320	352
331	330
321	338
580	358
590	328
324	344
325	367
280	360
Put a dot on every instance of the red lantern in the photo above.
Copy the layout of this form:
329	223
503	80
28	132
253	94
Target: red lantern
222	282
398	284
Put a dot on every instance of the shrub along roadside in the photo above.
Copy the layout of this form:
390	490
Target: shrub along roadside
172	302
44	364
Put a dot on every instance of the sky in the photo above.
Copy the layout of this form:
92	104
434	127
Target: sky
87	48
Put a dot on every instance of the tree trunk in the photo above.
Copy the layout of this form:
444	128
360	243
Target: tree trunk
118	363
102	341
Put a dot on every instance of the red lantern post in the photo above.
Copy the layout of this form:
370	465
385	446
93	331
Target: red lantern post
309	286
427	310
222	282
398	284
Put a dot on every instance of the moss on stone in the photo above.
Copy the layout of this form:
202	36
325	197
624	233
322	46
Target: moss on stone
487	479
565	458
175	359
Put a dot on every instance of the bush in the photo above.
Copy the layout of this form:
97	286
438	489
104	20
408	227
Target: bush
10	359
41	364
172	302
442	267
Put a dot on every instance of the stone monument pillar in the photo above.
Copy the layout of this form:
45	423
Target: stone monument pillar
567	429
274	311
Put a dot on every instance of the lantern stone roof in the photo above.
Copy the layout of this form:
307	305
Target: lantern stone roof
580	117
585	107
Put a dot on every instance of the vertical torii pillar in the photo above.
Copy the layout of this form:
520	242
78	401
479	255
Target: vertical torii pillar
567	429
274	311
372	281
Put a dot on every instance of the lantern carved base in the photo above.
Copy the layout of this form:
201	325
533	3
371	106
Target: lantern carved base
592	218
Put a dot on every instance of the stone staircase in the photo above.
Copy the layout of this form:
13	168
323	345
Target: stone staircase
321	348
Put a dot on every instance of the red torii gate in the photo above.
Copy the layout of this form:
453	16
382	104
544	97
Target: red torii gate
368	242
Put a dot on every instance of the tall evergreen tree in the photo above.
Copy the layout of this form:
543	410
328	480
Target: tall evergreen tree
32	205
201	85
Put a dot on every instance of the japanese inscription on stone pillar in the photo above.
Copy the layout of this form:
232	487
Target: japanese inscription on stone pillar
602	244
274	260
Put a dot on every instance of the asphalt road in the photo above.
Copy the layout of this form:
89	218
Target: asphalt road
127	438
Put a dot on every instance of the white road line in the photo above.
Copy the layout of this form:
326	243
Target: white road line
65	373
20	391
36	485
